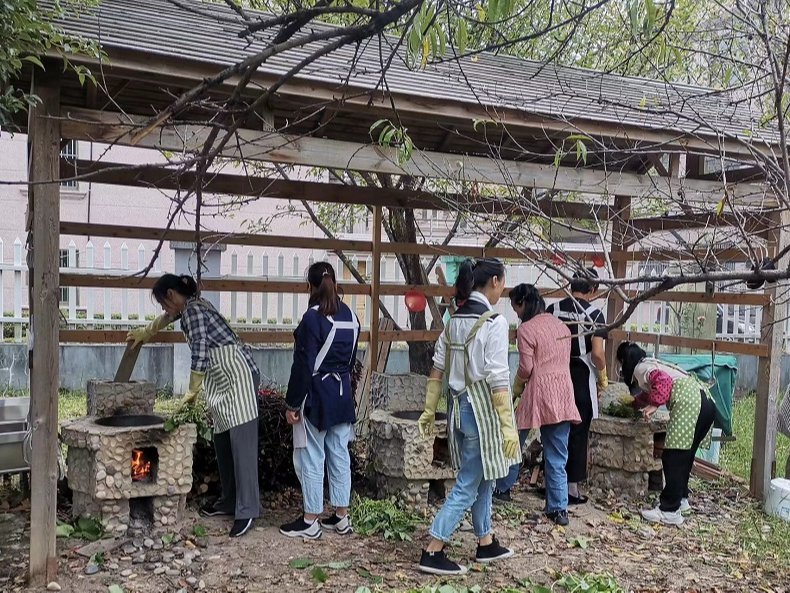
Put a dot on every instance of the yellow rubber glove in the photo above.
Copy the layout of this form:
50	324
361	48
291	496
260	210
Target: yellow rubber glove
427	420
195	385
145	334
626	400
603	380
510	444
518	387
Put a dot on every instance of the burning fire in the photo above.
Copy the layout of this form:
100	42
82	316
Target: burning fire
141	467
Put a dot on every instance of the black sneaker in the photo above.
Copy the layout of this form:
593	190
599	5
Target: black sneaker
209	510
492	551
340	525
559	517
301	528
502	496
439	563
241	526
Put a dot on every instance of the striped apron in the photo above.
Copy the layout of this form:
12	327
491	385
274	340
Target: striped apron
229	388
495	464
299	429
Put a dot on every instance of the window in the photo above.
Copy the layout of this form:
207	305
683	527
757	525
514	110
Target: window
70	152
64	263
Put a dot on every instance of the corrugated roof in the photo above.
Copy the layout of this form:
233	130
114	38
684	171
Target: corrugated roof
200	31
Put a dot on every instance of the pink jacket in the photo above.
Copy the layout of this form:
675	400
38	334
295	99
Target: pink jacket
544	354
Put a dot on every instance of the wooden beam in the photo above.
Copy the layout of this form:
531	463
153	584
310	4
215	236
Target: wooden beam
154	234
615	304
83	124
44	143
375	288
161	177
755	223
769	368
246	284
719	346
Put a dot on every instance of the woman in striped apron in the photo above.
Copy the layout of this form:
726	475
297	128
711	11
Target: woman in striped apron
691	415
321	405
223	368
472	357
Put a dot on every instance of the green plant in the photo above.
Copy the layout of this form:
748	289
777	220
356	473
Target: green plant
83	528
196	414
589	583
621	410
374	517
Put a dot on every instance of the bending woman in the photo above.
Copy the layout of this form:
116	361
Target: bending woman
223	368
691	415
473	353
321	405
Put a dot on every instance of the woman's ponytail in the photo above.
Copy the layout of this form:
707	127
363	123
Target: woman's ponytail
464	283
321	277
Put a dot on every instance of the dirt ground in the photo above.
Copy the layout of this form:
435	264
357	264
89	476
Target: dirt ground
604	537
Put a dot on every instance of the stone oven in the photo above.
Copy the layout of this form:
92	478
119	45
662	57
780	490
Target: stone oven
123	467
405	465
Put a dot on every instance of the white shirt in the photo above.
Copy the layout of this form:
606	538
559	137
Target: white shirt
647	365
488	352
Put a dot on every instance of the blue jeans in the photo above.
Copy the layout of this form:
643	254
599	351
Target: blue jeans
330	447
554	438
470	489
506	483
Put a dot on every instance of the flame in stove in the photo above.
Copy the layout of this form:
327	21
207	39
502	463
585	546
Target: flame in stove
141	467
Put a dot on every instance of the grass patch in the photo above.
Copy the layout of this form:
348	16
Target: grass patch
736	457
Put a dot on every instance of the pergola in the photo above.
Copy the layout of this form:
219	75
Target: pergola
157	49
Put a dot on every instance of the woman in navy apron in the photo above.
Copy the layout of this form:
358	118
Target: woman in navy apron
472	355
321	405
223	368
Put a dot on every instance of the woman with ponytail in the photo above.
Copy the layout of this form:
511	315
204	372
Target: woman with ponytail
472	355
222	368
321	405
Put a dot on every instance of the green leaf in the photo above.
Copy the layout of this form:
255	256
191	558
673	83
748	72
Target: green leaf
720	206
170	425
34	60
114	589
378	123
336	565
462	36
581	151
300	563
580	542
168	538
319	574
64	530
362	589
199	531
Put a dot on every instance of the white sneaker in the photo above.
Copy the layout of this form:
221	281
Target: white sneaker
341	525
656	515
685	507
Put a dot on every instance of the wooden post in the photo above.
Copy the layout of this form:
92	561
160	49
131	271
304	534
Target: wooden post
375	287
622	214
44	166
763	467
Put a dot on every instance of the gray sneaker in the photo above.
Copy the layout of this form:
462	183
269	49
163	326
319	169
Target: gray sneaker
340	525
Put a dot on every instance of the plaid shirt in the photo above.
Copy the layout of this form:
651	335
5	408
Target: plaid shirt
205	329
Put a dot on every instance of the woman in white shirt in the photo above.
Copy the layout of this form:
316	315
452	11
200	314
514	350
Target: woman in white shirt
473	354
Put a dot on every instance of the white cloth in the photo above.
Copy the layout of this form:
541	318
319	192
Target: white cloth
488	352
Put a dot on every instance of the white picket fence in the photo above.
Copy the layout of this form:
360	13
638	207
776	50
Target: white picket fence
112	308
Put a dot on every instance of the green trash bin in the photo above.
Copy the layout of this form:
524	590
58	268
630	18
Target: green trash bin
720	370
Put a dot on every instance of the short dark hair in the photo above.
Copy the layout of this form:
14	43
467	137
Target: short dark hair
184	285
585	281
528	296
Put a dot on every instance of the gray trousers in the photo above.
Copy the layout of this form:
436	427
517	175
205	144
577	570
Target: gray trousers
237	458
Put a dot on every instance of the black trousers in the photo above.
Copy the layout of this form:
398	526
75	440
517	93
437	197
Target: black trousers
678	462
576	467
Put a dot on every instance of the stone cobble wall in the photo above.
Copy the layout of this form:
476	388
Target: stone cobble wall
107	398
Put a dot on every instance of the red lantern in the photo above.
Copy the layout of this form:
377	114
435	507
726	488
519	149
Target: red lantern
415	301
598	260
557	260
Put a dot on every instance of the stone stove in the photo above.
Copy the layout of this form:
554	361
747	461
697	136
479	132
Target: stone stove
405	465
123	467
